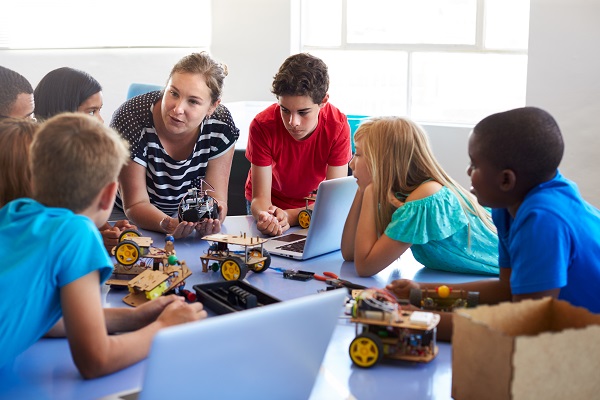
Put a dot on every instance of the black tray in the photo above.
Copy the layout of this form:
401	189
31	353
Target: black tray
232	296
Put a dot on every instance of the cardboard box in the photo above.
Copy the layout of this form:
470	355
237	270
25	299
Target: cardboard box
534	349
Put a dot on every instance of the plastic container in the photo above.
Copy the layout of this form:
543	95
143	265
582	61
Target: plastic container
232	296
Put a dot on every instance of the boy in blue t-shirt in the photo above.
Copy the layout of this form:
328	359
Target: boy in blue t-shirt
56	261
549	237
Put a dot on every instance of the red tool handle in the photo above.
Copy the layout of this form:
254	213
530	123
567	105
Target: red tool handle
327	274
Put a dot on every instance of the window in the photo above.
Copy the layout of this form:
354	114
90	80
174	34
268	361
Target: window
437	61
65	24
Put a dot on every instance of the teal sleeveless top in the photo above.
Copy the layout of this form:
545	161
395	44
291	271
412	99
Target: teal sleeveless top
438	230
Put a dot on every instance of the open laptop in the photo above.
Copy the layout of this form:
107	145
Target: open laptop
269	352
324	234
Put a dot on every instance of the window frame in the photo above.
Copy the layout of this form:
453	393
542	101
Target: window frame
410	49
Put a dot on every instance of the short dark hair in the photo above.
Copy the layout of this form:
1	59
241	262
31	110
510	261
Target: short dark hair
302	75
526	140
63	90
12	84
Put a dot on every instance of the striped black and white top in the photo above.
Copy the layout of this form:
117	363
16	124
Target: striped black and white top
168	180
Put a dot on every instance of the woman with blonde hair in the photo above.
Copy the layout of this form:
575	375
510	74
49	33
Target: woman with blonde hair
179	136
405	199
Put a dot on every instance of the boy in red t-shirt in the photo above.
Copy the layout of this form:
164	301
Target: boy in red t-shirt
294	144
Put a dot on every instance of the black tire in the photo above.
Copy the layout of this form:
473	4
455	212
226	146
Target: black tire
472	299
416	297
127	233
190	215
214	213
267	262
366	350
304	218
127	252
233	269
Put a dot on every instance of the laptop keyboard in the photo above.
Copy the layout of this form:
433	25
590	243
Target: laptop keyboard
296	246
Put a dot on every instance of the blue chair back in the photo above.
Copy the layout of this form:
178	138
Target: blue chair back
354	121
136	89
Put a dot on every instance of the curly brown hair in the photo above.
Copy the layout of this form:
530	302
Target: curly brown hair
302	75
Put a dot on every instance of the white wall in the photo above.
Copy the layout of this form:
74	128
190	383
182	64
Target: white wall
115	69
253	38
449	144
563	79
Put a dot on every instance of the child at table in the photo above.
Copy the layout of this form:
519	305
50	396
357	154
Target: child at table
68	89
15	137
406	200
55	259
549	236
15	178
16	95
294	145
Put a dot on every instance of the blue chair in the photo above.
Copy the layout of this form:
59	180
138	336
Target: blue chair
354	121
136	89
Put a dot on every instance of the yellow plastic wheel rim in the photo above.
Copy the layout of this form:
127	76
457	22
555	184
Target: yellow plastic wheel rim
230	270
256	253
304	219
127	254
128	235
364	352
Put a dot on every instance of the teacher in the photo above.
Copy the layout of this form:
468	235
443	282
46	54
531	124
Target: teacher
177	137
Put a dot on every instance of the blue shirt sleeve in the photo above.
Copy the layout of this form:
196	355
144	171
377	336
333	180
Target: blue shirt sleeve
539	253
81	255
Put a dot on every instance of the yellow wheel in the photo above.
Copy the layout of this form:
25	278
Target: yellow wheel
304	217
366	350
232	269
127	252
128	233
262	265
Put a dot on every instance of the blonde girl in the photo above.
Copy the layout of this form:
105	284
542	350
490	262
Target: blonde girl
406	200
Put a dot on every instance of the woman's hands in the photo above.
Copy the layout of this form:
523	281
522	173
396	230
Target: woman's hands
183	229
177	229
208	227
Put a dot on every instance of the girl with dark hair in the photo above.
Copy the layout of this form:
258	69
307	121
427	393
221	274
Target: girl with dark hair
67	90
71	90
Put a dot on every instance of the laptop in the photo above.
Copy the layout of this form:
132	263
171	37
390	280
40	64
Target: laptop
324	234
270	352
